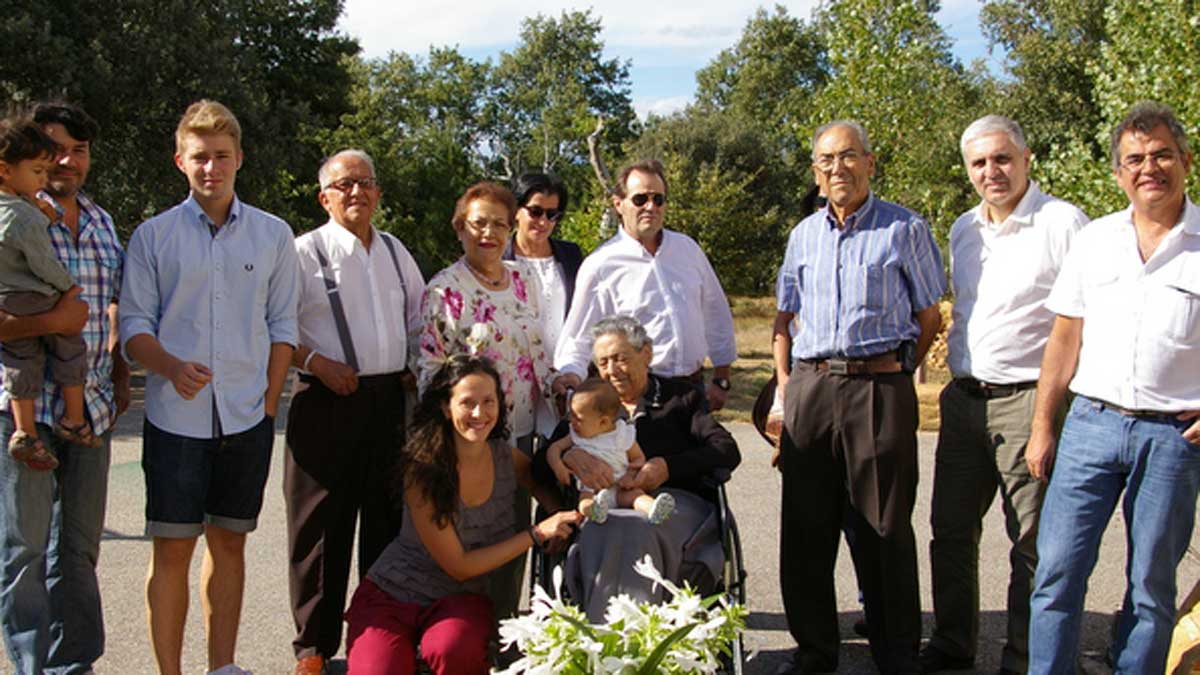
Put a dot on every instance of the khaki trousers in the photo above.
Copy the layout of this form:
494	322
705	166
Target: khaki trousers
981	450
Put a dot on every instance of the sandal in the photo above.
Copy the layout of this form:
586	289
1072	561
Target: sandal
80	434
29	449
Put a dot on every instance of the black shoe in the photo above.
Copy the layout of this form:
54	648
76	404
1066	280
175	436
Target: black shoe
934	660
860	629
794	665
1007	671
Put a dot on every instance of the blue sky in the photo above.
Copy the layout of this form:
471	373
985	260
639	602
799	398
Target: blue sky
666	44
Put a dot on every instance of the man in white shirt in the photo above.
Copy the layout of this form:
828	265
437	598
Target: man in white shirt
660	277
1127	340
1004	257
359	315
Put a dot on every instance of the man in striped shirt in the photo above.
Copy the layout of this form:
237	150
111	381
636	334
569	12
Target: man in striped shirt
863	278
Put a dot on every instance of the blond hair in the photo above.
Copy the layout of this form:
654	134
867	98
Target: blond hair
207	117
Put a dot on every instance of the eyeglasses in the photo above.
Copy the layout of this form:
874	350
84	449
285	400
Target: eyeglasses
346	185
552	215
641	198
1162	159
482	225
848	158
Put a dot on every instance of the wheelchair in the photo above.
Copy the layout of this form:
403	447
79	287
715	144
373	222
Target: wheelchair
732	583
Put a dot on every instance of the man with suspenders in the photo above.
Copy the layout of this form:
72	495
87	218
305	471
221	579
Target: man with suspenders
359	316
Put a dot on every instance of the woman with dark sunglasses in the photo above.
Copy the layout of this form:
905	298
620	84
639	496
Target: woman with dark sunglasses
541	203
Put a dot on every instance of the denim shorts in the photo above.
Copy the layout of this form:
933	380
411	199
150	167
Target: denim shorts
191	482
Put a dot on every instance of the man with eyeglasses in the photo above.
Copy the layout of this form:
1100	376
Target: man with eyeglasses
1126	341
660	277
863	277
360	304
1004	256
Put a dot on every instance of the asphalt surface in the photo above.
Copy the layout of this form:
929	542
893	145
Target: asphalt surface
264	644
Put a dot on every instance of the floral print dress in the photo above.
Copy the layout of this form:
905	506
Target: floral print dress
460	316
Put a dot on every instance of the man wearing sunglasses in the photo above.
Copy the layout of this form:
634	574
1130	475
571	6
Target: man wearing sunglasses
660	277
863	277
360	311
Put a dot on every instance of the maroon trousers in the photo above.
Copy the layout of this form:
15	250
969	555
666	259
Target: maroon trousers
339	469
849	453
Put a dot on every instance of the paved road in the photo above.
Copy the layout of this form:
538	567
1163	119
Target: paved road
265	644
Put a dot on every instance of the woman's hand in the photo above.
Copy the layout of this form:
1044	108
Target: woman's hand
554	532
595	474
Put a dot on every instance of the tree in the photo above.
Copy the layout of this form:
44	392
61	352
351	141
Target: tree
547	94
135	65
421	119
892	71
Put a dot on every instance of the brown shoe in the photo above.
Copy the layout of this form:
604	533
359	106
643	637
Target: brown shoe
310	665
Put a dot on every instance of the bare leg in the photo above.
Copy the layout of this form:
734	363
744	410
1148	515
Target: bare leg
167	600
222	578
23	417
635	498
656	509
73	405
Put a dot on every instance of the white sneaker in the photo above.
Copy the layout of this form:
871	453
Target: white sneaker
601	503
661	509
229	669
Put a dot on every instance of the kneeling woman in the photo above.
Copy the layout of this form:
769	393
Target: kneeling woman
459	476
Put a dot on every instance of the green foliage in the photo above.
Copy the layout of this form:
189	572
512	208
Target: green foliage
892	71
135	65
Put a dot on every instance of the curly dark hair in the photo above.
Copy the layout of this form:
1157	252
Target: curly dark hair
429	463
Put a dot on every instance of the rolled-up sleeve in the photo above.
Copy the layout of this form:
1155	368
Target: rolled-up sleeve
139	305
283	292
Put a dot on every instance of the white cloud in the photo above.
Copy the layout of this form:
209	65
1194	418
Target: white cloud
660	106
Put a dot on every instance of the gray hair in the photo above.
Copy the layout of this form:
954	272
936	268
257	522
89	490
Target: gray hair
323	172
1144	117
624	325
857	128
993	124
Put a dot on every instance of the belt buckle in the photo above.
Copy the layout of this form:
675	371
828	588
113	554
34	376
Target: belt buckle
839	366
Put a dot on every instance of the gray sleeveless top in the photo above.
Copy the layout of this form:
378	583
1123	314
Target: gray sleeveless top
407	572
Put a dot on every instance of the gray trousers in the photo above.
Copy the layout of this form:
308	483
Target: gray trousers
25	359
981	449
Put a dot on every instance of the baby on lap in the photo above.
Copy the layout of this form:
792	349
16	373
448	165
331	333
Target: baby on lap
598	429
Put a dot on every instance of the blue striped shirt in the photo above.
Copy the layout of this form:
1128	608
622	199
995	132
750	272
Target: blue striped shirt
94	261
220	300
855	290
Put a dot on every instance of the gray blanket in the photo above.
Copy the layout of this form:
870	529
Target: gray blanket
687	547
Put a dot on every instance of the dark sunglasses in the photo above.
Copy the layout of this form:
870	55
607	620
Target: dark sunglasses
641	198
552	215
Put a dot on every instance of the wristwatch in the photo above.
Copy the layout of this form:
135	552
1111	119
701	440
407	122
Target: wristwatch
722	383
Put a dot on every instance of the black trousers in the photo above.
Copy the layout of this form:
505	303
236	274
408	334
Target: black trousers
339	468
849	453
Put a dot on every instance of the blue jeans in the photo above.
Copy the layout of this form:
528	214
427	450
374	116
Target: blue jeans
1101	453
50	525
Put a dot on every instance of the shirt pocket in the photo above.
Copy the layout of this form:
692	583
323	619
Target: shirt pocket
1177	305
874	280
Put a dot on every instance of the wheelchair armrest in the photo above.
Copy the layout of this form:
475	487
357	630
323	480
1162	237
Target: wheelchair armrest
716	478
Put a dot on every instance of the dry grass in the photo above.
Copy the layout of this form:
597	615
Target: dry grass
753	319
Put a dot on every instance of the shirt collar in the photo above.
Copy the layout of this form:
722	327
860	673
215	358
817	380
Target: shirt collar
853	219
345	240
192	207
1022	214
651	398
88	211
1190	217
631	240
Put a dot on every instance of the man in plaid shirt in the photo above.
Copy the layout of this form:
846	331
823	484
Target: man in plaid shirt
49	595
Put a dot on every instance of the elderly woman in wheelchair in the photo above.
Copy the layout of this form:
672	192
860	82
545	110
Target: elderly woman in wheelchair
687	455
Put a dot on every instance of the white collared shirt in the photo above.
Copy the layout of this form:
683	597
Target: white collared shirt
674	293
1002	274
384	316
1141	322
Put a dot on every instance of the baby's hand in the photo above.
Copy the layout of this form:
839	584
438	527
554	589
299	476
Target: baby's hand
46	209
629	480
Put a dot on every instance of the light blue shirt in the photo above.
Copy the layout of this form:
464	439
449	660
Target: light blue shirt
217	300
854	290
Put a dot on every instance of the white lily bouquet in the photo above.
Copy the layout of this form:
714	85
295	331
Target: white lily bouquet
687	634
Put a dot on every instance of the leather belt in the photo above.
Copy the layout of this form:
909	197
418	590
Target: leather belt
383	380
987	390
872	365
1133	412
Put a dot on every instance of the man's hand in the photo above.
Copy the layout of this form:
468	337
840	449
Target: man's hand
1039	454
564	382
70	314
339	377
1192	433
189	378
595	474
652	474
716	397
